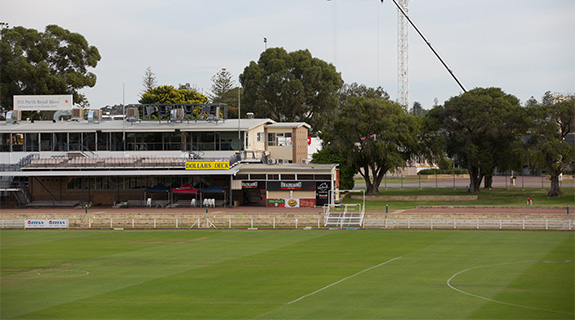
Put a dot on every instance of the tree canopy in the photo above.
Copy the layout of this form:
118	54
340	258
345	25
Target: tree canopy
224	90
291	86
168	94
482	130
548	147
375	135
41	63
148	80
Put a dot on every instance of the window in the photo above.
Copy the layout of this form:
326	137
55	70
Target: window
31	141
46	141
280	139
284	139
288	176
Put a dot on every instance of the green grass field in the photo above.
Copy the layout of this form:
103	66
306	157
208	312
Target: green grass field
211	274
493	197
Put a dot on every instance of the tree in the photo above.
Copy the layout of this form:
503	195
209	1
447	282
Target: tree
548	146
224	90
481	129
169	95
291	87
376	136
418	109
346	170
222	84
352	90
148	80
53	62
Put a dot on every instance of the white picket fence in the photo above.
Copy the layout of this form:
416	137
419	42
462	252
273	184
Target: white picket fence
478	224
392	223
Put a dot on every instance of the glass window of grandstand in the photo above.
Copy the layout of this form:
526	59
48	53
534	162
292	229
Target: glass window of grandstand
60	141
150	141
46	141
229	141
17	142
138	141
172	141
5	142
103	140
31	141
75	141
89	141
207	141
117	141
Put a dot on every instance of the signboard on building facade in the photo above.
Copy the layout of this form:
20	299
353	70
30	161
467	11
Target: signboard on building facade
291	185
322	190
214	165
43	103
253	185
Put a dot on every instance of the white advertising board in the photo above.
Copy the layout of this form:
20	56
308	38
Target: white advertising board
45	223
43	103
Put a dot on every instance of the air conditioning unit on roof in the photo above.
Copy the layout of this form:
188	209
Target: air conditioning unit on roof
77	114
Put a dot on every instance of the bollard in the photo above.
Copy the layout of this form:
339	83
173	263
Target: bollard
567	209
86	208
386	208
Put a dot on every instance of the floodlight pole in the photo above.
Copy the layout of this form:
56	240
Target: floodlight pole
429	45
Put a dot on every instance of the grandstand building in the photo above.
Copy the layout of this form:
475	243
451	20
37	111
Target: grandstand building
159	155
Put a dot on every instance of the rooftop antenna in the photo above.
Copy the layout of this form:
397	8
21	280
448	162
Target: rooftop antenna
402	55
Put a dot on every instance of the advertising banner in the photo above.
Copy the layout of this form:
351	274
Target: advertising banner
214	165
322	192
46	223
292	203
291	185
276	202
253	184
43	103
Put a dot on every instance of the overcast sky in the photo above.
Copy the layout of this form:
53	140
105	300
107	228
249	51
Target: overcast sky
525	47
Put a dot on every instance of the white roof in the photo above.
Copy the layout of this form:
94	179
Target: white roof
138	126
289	125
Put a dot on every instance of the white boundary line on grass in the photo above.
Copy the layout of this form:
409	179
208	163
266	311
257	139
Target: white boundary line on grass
501	302
339	281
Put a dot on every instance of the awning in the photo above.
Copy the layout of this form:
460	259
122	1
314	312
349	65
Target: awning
158	188
213	189
186	188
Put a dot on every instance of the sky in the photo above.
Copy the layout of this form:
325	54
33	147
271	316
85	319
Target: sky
525	47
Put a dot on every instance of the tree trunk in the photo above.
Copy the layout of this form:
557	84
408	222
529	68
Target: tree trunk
488	182
475	178
555	188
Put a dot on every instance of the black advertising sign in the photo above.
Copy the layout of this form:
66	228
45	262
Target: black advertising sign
322	193
253	185
291	185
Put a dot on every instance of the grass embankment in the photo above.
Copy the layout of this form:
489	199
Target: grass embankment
493	197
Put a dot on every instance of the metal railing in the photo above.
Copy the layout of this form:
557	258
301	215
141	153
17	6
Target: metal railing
467	224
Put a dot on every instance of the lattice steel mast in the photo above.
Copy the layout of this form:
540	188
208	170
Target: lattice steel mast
402	55
403	14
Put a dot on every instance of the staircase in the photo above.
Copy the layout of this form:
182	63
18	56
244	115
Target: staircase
349	215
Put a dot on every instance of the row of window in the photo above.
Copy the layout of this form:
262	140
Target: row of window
282	177
127	183
131	183
120	141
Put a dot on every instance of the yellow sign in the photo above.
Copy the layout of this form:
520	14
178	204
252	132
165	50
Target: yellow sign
216	165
